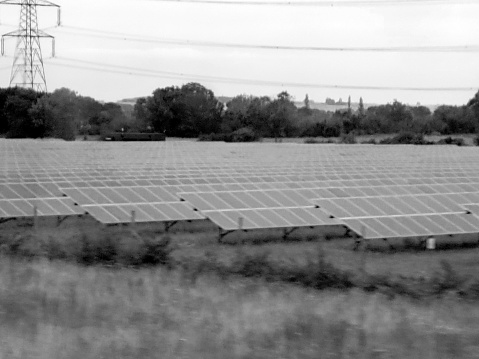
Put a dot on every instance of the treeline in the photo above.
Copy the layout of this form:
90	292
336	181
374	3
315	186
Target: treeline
192	110
61	114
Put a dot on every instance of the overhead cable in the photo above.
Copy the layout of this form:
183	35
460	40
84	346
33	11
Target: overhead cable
199	43
348	3
101	67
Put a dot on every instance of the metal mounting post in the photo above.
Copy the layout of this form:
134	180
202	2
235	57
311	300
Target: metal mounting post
61	219
5	220
35	218
287	233
169	224
390	245
222	234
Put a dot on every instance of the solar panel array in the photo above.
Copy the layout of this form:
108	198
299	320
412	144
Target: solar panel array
415	226
23	208
390	191
244	219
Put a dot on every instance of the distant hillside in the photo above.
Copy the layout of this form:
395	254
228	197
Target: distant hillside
314	105
128	101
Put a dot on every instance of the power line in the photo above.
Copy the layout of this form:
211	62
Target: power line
101	67
199	43
348	3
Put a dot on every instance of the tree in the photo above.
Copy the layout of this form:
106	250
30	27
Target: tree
306	102
88	112
258	114
236	114
457	119
141	114
163	109
473	104
17	105
282	110
55	115
186	112
306	109
361	107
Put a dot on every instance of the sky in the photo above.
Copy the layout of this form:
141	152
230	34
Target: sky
116	49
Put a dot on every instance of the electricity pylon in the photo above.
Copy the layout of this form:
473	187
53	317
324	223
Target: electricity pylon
27	69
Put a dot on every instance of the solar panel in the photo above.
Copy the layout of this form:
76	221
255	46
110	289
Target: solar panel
205	201
144	212
394	205
18	208
118	195
270	218
414	226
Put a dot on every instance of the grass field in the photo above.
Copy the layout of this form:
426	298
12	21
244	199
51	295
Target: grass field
197	238
58	310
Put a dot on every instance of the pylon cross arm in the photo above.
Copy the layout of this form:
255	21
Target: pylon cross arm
21	33
36	3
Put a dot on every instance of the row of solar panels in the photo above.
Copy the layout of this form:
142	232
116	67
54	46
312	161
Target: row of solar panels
414	226
226	172
24	208
397	205
236	169
330	189
337	200
407	219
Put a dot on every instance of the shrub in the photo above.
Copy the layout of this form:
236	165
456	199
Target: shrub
101	249
157	251
321	274
406	138
348	138
311	141
213	137
244	134
316	141
252	265
371	141
451	141
446	279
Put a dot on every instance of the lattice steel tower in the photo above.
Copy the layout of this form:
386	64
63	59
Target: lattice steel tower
27	69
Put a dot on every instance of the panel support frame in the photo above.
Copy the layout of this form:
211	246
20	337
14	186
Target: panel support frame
169	224
223	234
5	220
287	233
61	219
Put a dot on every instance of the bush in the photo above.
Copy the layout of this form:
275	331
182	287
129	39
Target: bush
348	138
213	137
244	134
113	248
451	141
320	140
447	279
321	274
406	138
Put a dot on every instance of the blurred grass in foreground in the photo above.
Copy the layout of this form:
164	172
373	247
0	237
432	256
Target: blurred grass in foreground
59	310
